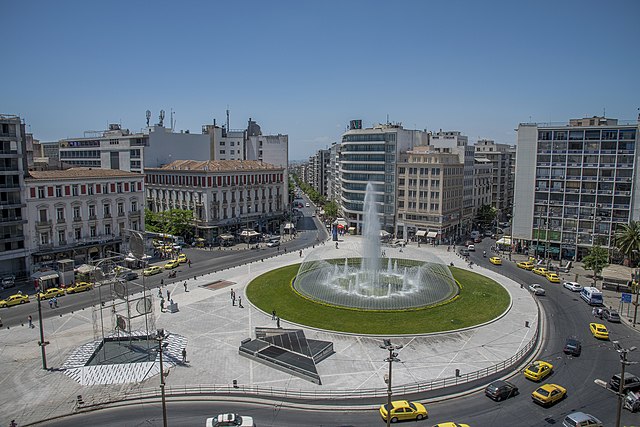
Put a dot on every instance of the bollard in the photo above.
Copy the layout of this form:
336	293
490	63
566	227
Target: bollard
235	383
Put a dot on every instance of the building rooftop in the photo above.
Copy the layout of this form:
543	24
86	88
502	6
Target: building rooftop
216	165
75	173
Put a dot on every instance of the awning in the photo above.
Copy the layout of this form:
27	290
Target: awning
289	226
341	223
504	241
432	234
249	233
352	229
421	233
226	237
45	275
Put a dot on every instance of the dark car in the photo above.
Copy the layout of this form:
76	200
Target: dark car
130	275
464	251
631	382
611	315
572	346
500	390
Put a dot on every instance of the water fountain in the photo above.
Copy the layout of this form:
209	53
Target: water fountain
372	282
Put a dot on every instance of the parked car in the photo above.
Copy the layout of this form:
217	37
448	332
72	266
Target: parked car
611	315
553	277
464	251
631	382
548	394
403	410
78	287
572	286
541	271
500	390
14	300
537	289
580	419
572	346
8	281
471	248
527	265
599	331
50	293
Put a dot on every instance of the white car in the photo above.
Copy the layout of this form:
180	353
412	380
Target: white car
308	205
573	286
273	243
229	420
536	289
471	248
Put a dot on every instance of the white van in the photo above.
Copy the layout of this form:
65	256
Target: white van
591	295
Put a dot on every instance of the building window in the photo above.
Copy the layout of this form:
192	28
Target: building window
58	190
76	213
113	142
74	190
40	192
60	213
222	152
77	232
106	208
107	229
44	238
90	189
134	206
120	208
61	240
43	215
119	187
92	211
92	231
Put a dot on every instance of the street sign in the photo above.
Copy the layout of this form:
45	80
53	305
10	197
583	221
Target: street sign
626	297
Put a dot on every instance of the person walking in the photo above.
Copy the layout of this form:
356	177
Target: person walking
161	304
184	355
185	286
30	319
51	303
168	294
273	315
55	302
240	302
233	297
300	253
189	262
278	322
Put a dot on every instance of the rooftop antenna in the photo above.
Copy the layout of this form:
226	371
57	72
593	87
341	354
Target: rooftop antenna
387	119
228	118
148	117
161	118
172	123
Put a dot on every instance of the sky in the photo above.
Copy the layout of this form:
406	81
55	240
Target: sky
305	68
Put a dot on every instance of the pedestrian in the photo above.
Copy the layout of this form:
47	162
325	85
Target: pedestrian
30	319
55	302
273	315
162	304
189	262
51	303
185	286
13	423
184	355
240	302
168	295
161	282
300	253
594	311
278	322
159	292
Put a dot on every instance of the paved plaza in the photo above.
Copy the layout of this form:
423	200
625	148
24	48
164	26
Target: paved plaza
211	330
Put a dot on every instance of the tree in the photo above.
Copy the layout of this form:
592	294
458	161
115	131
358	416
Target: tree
486	215
331	210
178	222
597	259
628	240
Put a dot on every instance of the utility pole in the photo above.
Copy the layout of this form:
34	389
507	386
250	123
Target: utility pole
393	357
42	343
623	361
160	338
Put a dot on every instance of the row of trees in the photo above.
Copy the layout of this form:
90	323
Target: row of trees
178	222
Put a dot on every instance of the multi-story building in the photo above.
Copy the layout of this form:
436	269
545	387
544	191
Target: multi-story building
502	159
482	177
459	144
225	195
574	185
319	174
430	187
13	251
333	179
370	155
81	213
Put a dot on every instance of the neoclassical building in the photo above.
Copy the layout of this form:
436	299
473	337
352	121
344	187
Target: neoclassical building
226	196
81	213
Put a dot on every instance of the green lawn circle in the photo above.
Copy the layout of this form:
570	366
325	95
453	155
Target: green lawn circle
479	300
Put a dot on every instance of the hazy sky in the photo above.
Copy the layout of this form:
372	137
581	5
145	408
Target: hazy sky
305	68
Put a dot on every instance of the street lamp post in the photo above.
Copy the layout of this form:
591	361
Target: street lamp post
623	361
392	358
42	343
160	338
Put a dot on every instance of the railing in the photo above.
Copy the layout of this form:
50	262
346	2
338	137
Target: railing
313	394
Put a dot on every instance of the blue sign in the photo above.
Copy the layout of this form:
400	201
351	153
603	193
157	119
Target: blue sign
626	297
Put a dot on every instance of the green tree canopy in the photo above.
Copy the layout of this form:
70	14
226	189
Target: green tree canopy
486	215
596	260
178	222
628	240
331	210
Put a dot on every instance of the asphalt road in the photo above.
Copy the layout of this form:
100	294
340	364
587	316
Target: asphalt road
566	314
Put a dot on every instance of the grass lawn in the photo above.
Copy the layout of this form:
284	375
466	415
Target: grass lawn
480	299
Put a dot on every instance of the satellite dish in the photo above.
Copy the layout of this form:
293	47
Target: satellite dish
136	244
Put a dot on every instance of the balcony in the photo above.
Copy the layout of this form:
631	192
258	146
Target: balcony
77	219
61	221
121	214
92	217
42	224
107	215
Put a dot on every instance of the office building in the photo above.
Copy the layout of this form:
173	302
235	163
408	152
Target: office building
503	160
575	183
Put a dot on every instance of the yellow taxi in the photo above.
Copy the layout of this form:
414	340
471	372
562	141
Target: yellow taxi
527	265
14	300
553	277
538	370
150	271
541	271
182	258
599	331
79	287
50	293
403	410
495	260
548	394
172	264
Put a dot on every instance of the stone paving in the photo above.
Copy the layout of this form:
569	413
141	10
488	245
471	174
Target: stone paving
213	329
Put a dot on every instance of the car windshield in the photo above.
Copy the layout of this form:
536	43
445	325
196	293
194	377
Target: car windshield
596	299
533	367
542	392
572	343
601	329
412	406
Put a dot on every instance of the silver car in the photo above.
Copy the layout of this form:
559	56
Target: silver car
536	289
573	286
